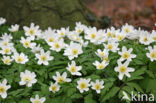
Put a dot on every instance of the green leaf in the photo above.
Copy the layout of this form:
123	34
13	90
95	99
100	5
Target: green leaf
136	86
76	96
150	74
137	74
152	66
89	99
111	93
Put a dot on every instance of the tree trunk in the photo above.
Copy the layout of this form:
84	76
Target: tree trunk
53	13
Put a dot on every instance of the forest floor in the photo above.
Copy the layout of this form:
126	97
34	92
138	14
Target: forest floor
135	12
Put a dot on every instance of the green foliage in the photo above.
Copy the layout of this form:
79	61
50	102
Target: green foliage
142	80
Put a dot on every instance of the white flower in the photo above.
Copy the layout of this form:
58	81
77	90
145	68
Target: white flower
123	69
153	35
134	35
63	32
152	53
50	36
6	37
57	45
5	43
36	49
91	34
83	84
6	50
84	44
27	78
126	54
101	53
2	21
54	87
3	88
101	65
7	60
127	28
74	36
120	36
73	50
98	85
37	99
109	32
14	28
73	69
44	57
101	37
27	42
79	27
61	78
32	31
20	58
112	46
145	38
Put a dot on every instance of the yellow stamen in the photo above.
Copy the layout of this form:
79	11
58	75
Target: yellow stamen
73	69
97	86
75	51
126	55
83	85
100	66
123	69
93	36
2	89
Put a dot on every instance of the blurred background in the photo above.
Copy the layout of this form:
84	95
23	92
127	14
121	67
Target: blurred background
64	13
135	12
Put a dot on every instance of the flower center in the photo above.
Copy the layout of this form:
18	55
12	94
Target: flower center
106	59
74	51
62	33
73	69
109	34
53	88
126	55
7	61
83	85
2	89
123	69
19	59
60	79
120	37
7	50
127	30
101	66
27	43
43	57
37	101
153	54
110	46
97	86
145	39
5	43
114	36
27	79
79	31
31	32
57	45
51	39
154	38
93	36
102	53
